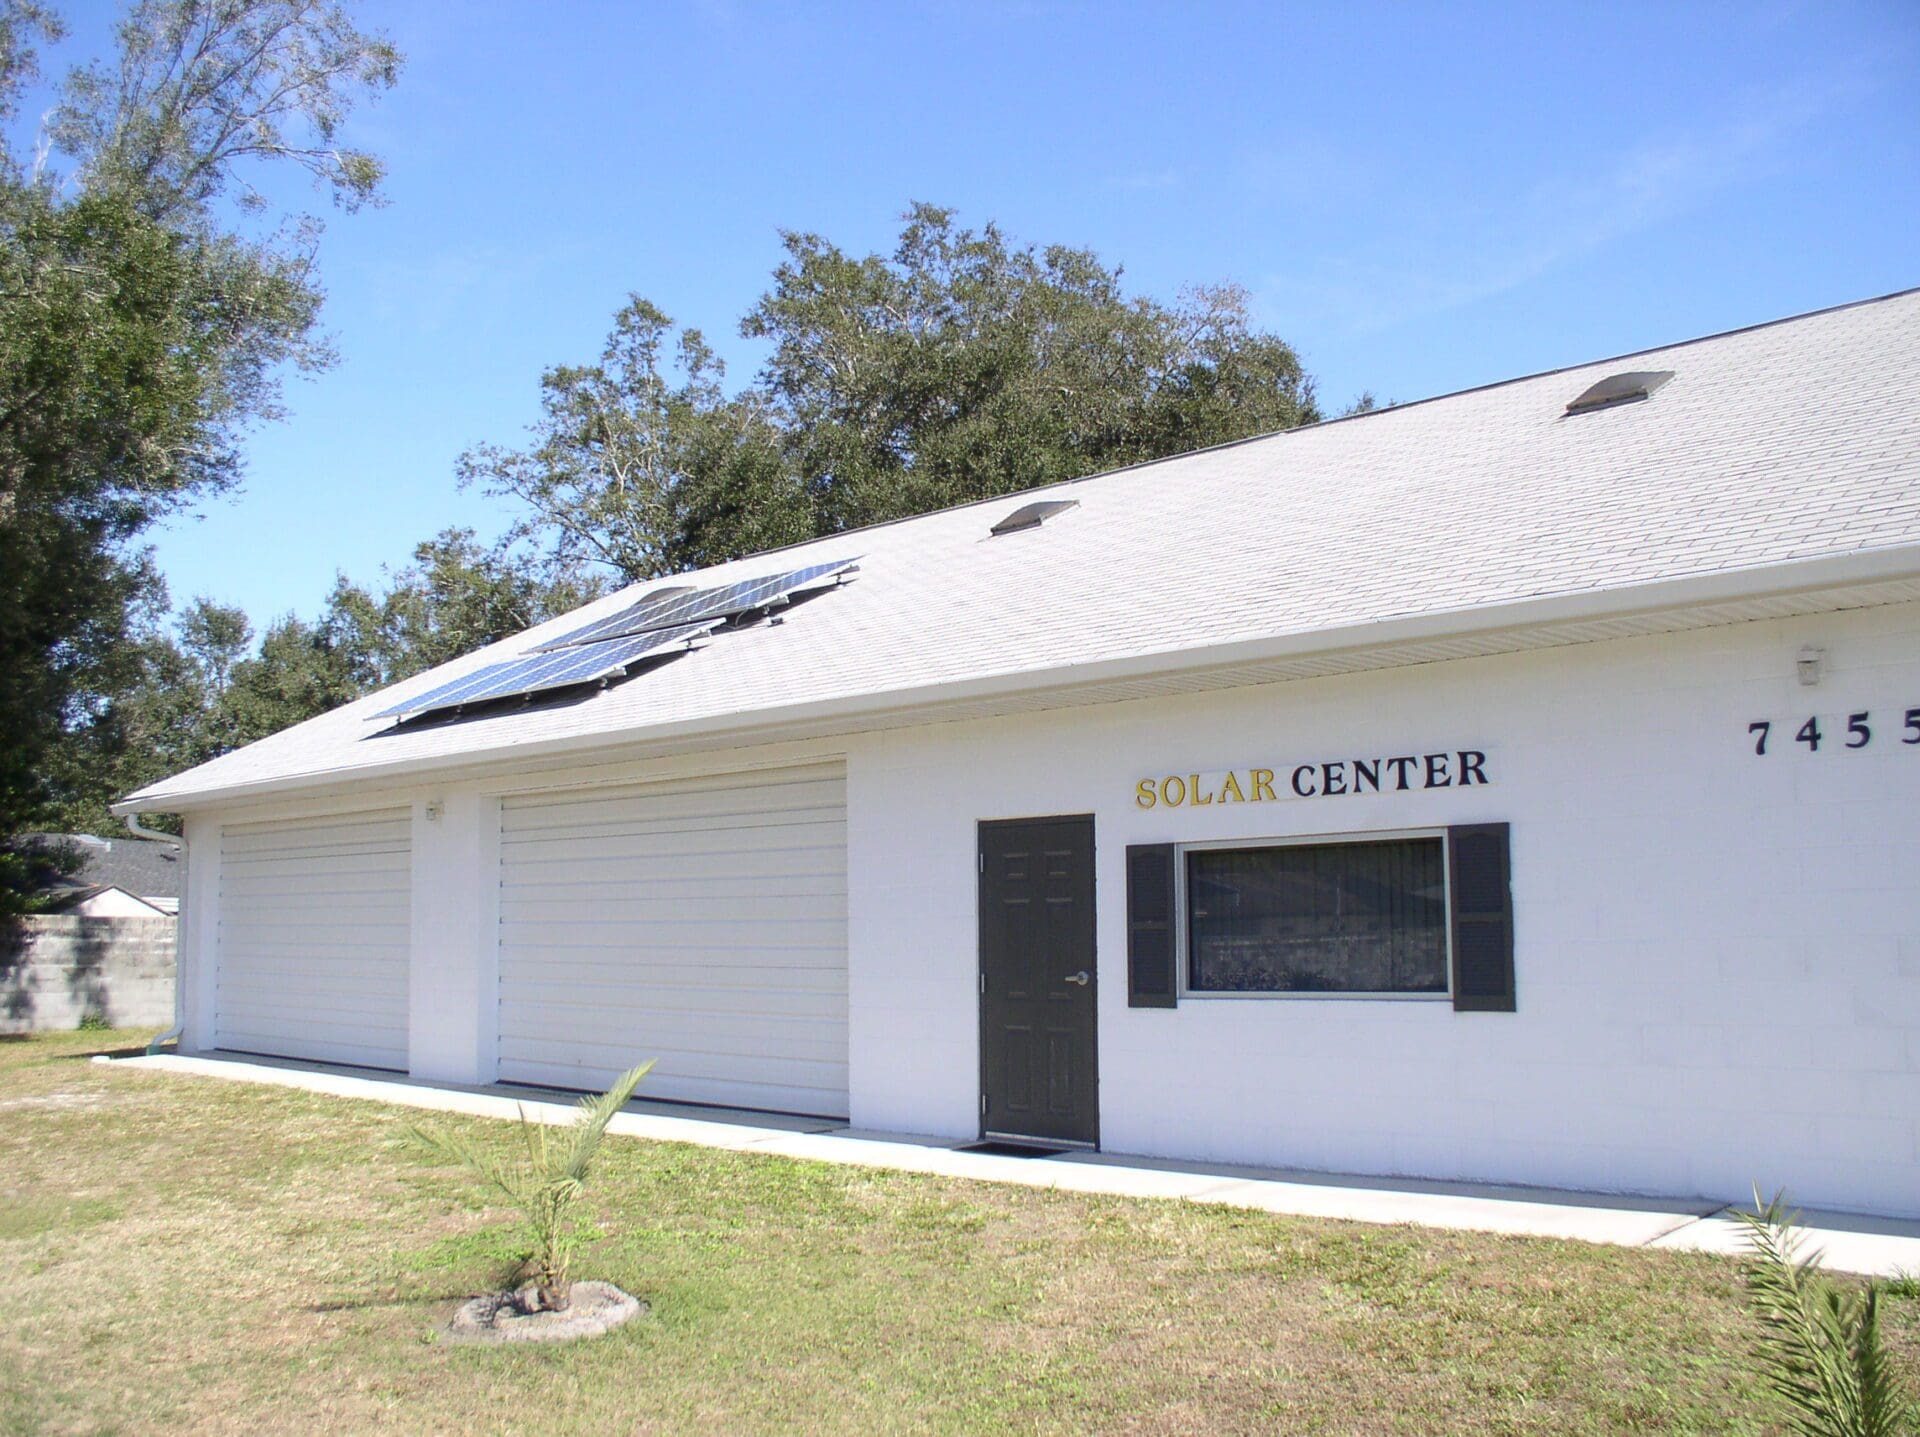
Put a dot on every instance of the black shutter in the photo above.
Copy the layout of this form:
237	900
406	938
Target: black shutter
1479	869
1150	977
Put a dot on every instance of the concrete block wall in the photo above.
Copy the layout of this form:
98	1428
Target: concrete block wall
57	969
1717	952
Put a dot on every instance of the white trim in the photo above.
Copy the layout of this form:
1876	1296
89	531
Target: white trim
1182	923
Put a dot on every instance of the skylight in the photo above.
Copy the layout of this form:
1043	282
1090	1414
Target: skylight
1032	516
1619	389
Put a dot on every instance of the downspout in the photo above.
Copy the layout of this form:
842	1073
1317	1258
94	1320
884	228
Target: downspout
132	820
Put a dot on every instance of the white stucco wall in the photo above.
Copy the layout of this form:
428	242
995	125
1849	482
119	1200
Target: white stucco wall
199	937
1717	954
452	1006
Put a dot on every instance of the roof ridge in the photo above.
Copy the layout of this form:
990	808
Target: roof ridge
1614	358
1302	428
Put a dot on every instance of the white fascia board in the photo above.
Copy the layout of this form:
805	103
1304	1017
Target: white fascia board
1834	571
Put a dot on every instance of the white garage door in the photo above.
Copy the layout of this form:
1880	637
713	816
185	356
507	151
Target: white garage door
313	938
702	923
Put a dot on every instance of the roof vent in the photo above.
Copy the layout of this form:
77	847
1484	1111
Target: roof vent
1620	389
1032	516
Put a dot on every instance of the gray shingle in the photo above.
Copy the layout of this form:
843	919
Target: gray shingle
1789	441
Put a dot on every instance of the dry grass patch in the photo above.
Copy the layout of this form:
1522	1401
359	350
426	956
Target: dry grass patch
217	1257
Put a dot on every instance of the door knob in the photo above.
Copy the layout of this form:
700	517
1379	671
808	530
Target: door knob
1082	978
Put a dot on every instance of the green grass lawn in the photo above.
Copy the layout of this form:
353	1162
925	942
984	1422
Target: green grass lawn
200	1255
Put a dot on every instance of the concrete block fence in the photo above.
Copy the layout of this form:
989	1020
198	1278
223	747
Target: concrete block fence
56	970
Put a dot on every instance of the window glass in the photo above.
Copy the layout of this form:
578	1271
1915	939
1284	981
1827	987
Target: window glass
1318	918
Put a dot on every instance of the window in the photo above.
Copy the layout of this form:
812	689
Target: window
1349	917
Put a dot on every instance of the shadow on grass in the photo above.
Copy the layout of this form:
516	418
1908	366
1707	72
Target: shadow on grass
369	1304
138	1051
82	1055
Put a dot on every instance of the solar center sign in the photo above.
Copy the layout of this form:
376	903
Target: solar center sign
1330	778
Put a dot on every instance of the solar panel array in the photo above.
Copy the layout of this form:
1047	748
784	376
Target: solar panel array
537	672
607	648
665	609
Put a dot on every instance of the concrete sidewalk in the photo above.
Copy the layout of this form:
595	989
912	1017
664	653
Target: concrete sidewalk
1882	1246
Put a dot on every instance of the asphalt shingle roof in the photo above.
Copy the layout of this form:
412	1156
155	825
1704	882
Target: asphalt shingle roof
1790	441
140	866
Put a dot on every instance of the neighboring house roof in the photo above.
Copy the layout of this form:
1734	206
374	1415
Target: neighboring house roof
139	866
110	900
1779	460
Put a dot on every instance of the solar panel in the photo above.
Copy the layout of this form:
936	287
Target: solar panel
538	672
633	619
663	609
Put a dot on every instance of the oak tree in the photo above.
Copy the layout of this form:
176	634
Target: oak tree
151	297
957	367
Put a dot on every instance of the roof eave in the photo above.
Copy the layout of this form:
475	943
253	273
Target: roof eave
1856	567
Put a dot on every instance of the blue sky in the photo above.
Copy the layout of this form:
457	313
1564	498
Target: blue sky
1419	198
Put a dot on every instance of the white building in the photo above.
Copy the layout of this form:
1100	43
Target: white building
1493	787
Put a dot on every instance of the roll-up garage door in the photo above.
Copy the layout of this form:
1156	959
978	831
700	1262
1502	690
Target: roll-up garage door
313	938
702	923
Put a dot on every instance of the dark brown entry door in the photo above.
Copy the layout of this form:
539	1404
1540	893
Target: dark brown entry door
1038	1063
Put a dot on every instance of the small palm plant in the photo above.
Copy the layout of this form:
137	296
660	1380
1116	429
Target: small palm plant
1820	1346
546	1183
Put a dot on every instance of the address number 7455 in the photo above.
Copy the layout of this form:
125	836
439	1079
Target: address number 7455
1856	732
